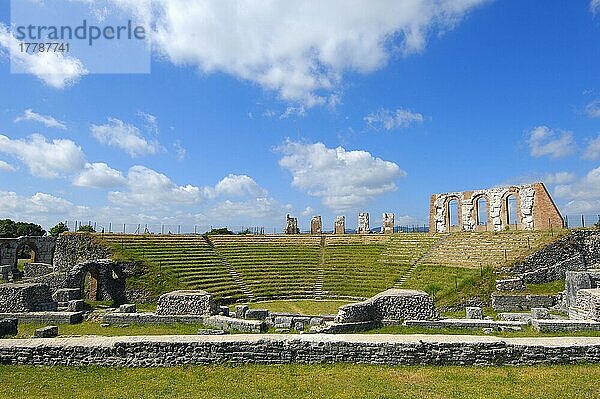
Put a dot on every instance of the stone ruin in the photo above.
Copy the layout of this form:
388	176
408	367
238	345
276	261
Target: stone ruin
42	252
363	223
185	302
16	298
316	225
387	223
535	209
393	304
339	226
292	225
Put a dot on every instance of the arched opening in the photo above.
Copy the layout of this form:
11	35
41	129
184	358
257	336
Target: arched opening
481	213
511	210
26	253
453	212
90	285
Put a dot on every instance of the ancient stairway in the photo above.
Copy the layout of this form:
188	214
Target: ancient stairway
231	270
414	266
318	290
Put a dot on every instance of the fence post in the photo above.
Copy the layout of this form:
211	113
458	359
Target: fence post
582	221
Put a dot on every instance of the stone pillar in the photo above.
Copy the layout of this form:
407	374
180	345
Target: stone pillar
316	225
340	225
388	223
363	223
292	225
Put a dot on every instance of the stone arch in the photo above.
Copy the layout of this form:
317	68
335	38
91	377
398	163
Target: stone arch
448	210
481	222
26	243
507	219
101	280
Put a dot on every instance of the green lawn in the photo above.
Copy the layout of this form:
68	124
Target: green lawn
302	381
26	330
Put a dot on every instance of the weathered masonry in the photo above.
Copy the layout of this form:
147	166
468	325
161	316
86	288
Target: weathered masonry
42	249
525	207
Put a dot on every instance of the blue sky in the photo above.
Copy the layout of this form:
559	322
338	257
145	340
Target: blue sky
255	110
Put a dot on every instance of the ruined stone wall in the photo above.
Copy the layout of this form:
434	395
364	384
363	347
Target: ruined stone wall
292	225
393	304
577	251
387	223
307	349
535	209
43	247
316	225
515	302
16	298
363	223
74	248
340	225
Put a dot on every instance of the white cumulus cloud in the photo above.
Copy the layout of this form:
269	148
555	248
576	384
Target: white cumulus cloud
44	158
42	208
583	195
152	189
46	120
560	178
300	49
235	186
127	137
99	175
544	141
342	179
6	167
390	120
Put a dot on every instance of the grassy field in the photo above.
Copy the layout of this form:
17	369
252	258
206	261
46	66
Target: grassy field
26	330
302	381
301	306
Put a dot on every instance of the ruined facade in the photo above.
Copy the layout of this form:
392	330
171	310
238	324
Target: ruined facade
339	226
387	223
525	207
292	225
316	225
42	250
363	223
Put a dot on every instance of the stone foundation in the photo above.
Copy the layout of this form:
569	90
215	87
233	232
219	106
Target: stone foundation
508	303
307	349
586	305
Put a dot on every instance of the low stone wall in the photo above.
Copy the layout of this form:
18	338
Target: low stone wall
46	317
392	304
25	298
185	302
586	305
310	349
508	303
150	318
510	284
232	324
74	248
467	324
565	325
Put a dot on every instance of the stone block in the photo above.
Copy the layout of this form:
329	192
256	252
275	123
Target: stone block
75	305
474	312
510	284
284	321
223	310
66	294
46	332
540	313
393	304
515	302
315	321
586	305
37	269
189	302
299	326
8	327
127	308
257	314
240	311
209	331
232	324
